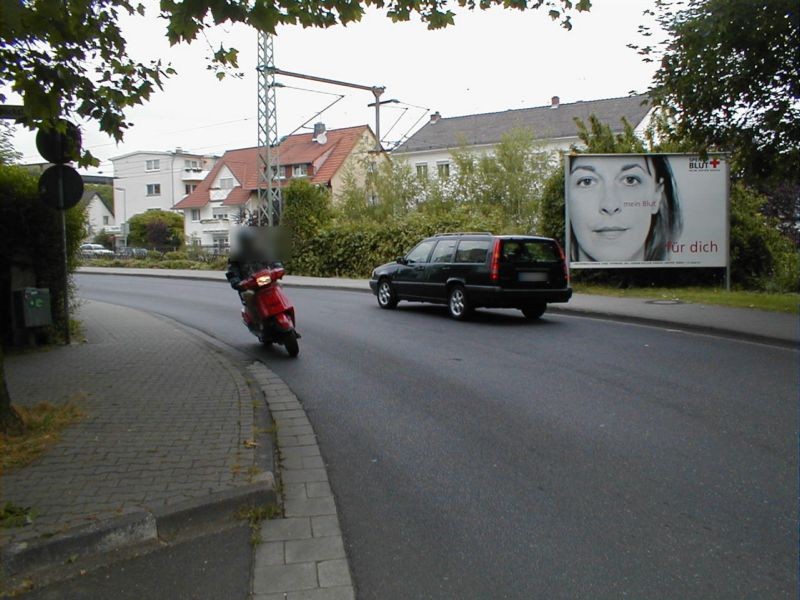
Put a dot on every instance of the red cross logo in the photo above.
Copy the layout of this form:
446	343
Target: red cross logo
714	162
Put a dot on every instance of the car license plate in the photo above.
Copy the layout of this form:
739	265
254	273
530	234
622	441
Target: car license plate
530	277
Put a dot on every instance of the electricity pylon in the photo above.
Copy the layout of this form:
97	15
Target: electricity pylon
269	192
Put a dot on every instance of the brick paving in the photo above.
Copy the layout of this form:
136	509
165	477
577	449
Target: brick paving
166	418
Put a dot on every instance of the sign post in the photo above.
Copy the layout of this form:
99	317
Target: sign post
61	187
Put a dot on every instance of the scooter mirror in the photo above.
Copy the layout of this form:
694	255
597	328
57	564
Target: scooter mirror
278	273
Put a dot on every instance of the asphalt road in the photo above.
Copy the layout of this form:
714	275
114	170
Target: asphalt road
569	458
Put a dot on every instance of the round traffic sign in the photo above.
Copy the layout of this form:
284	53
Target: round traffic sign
69	180
57	147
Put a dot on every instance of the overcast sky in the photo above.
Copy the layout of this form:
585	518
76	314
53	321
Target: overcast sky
489	61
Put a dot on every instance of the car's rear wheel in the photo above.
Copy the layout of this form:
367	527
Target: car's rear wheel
534	311
386	295
458	303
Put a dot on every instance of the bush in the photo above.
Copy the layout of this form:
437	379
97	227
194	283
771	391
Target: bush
176	255
30	240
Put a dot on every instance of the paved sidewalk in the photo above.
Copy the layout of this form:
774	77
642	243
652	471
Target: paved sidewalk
758	325
166	419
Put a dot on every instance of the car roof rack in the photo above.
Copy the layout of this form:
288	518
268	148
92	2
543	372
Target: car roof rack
463	233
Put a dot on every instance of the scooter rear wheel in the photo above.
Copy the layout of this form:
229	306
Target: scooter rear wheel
291	345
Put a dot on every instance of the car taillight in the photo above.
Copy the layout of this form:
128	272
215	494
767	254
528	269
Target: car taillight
494	267
563	261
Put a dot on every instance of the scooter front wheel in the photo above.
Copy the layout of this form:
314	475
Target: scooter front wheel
291	345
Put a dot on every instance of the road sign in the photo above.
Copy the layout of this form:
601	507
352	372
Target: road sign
50	181
57	147
11	111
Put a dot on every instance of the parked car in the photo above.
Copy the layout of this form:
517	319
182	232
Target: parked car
95	251
132	253
472	270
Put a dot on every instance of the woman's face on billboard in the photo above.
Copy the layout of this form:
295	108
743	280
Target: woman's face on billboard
611	203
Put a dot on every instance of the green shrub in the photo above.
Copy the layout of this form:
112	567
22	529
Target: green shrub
176	255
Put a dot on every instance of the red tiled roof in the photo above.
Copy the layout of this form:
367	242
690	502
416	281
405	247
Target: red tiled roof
294	150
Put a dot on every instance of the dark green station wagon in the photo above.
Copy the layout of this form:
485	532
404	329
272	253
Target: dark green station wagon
472	270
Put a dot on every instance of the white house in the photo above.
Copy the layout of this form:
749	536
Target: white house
231	188
100	214
147	180
429	149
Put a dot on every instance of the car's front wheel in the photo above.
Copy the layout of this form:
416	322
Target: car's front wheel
458	303
534	311
386	295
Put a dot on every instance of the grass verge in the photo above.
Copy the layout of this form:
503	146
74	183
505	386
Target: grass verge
43	424
787	302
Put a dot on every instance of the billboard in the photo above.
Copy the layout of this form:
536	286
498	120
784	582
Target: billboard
646	210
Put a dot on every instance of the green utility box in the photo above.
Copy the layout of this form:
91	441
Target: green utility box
33	307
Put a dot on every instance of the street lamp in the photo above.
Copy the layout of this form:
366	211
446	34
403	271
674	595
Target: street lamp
124	216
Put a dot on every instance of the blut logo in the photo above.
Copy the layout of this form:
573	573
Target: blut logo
696	164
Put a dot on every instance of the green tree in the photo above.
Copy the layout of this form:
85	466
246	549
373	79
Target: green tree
729	77
156	229
69	58
510	178
307	208
8	155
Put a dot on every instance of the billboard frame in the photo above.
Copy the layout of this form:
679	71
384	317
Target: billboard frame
727	242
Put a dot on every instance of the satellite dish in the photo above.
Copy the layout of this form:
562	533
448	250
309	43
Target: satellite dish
322	139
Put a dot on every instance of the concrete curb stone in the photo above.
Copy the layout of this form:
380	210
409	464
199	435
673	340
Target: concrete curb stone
134	528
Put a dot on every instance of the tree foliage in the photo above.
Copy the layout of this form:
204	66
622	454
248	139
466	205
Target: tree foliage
729	78
69	58
156	229
8	155
307	208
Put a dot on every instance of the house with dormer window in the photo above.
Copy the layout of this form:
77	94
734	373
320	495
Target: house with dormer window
230	190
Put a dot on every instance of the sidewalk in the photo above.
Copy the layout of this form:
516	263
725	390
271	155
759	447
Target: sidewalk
166	418
752	324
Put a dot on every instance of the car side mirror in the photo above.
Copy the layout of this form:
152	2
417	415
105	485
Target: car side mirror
401	260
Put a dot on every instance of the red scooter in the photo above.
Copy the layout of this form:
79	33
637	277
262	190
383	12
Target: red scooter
274	310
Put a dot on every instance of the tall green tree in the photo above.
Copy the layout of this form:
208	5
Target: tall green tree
8	155
69	58
729	78
156	229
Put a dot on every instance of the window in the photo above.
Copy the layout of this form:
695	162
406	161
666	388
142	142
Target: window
195	214
153	189
191	163
443	169
220	213
105	220
422	170
226	183
523	252
279	173
444	251
300	170
420	253
472	251
152	165
190	187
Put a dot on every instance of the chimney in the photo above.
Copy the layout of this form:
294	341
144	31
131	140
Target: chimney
554	102
319	133
435	117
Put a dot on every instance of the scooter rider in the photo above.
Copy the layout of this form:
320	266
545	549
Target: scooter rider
249	257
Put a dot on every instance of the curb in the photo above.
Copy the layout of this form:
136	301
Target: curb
554	308
679	325
134	528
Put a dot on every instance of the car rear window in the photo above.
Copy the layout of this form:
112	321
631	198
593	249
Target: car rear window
529	251
472	251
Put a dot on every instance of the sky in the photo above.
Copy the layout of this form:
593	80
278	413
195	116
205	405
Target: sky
488	61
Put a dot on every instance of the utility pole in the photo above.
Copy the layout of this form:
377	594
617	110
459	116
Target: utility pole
269	191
